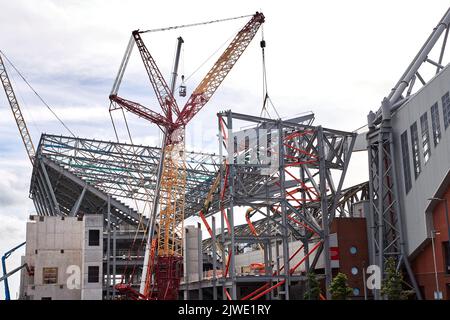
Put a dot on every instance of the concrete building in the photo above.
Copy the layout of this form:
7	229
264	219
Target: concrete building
66	256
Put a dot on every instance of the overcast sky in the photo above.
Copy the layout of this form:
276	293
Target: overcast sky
335	58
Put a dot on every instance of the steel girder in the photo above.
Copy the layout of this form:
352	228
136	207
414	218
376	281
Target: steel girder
348	197
397	96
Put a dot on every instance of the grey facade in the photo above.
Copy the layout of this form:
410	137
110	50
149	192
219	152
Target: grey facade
421	169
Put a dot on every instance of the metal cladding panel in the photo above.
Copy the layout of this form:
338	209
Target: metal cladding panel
414	202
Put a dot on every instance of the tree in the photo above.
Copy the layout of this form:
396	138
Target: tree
392	286
313	292
339	289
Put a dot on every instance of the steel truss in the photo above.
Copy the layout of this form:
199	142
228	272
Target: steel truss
344	209
125	171
386	238
298	199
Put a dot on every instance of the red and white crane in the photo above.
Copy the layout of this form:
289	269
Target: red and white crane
170	190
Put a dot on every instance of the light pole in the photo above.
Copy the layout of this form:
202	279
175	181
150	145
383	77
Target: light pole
438	293
364	279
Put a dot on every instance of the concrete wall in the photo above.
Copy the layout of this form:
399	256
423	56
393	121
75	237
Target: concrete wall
62	243
413	203
191	253
51	242
92	256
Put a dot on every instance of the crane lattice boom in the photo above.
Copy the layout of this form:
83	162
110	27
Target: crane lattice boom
220	70
170	218
163	93
17	113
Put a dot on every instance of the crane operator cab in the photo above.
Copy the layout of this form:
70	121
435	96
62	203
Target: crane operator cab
182	90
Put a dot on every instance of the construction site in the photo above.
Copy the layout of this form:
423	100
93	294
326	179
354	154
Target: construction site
113	219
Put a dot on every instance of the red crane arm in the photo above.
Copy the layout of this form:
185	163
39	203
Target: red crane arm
141	111
163	93
220	70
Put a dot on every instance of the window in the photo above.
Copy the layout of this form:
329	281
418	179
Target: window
94	237
50	275
425	137
415	149
353	250
355	292
93	274
446	109
354	271
435	124
405	158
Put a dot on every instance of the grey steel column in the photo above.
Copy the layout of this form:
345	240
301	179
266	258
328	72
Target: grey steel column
266	263
399	217
285	241
324	208
380	223
230	212
114	263
222	220
186	271
108	252
370	219
232	267
277	254
50	188
200	262
42	198
305	241
48	199
76	206
214	254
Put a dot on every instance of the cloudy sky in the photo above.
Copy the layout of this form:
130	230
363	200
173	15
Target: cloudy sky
335	58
